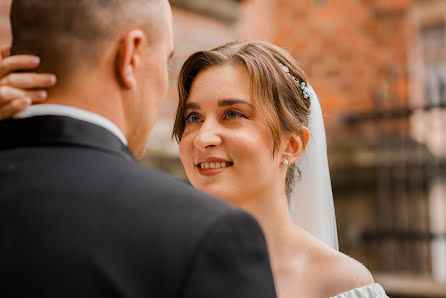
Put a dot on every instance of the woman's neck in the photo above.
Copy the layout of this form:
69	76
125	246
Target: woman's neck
270	209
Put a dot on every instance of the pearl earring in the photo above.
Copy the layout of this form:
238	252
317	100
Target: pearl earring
285	162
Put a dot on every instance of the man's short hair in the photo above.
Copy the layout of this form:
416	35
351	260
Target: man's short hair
67	34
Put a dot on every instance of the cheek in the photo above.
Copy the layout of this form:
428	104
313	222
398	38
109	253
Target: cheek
157	79
181	149
255	145
185	150
253	156
164	80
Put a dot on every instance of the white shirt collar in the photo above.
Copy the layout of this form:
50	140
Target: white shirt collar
62	110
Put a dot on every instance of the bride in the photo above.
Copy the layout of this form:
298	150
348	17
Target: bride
250	131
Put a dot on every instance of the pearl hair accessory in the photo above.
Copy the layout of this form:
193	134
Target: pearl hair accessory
304	86
286	162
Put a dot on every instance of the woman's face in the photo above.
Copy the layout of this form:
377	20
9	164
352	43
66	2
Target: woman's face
226	149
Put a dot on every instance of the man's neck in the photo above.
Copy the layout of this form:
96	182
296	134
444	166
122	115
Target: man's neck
72	112
105	104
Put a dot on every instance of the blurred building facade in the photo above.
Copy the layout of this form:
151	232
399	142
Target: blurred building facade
379	68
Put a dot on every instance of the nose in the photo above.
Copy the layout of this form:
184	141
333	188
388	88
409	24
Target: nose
208	136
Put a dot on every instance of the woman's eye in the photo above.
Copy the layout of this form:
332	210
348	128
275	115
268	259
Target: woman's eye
193	118
233	114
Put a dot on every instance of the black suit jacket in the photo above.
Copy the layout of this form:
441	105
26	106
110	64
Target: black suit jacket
80	217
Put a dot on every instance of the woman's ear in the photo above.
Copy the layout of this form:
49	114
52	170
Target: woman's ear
295	146
128	57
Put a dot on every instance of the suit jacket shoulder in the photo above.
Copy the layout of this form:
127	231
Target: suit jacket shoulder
79	217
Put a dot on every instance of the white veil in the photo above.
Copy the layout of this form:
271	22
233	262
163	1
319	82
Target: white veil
311	202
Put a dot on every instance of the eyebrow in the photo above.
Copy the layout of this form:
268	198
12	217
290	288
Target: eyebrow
230	102
192	106
221	103
171	54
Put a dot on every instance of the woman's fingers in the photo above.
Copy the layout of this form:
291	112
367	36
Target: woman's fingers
9	94
18	90
5	51
14	100
12	108
28	80
18	62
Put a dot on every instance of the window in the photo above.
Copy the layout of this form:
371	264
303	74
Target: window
320	3
224	10
434	47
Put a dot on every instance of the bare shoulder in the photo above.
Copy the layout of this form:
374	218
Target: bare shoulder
321	271
341	272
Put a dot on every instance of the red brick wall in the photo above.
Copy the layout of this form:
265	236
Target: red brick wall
350	48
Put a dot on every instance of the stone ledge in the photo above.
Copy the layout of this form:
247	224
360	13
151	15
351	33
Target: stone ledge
402	285
226	11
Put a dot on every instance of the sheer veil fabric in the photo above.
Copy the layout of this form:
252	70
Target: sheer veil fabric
311	202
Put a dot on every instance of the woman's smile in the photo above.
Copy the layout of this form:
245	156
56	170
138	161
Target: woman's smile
212	166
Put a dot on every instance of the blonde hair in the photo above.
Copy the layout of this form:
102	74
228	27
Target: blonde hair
278	99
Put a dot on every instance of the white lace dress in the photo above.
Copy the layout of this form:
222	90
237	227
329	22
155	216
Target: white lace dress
370	291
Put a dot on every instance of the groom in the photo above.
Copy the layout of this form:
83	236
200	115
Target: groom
79	216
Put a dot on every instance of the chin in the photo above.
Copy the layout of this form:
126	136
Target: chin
139	151
222	193
138	143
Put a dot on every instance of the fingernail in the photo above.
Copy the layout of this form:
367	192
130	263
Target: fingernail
42	94
53	79
22	103
36	60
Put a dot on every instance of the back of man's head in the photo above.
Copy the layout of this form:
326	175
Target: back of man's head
71	34
112	49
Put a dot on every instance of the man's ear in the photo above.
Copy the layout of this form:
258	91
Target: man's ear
128	57
296	146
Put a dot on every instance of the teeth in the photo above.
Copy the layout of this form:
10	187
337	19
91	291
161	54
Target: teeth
214	165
